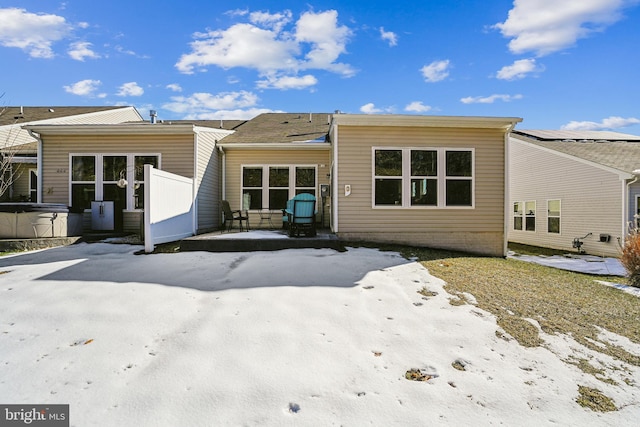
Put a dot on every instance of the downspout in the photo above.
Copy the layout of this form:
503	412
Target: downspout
625	220
224	173
196	170
334	182
38	138
507	190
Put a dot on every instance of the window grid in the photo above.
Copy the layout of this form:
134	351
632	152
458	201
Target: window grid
553	216
405	190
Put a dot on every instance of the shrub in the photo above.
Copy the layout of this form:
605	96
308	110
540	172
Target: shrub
631	257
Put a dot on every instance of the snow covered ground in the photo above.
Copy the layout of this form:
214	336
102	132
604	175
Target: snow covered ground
294	337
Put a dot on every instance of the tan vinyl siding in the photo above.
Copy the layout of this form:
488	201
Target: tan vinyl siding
591	199
478	229
176	156
207	182
236	158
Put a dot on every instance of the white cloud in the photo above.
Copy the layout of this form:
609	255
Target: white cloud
328	41
33	33
612	122
389	36
370	108
417	107
519	69
547	26
130	89
84	88
287	82
206	103
81	50
276	21
489	99
315	42
174	87
436	71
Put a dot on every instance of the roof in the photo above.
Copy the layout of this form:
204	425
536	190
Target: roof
578	135
620	152
18	115
278	128
425	121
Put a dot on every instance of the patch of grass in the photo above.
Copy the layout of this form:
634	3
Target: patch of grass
534	250
427	293
588	368
562	302
595	400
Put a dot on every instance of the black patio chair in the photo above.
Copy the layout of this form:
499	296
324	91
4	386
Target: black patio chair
234	215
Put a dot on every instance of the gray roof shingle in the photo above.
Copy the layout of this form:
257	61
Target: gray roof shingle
17	115
612	149
282	128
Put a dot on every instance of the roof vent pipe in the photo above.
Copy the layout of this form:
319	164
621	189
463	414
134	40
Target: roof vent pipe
154	116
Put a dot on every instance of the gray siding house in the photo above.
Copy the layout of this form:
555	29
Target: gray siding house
573	190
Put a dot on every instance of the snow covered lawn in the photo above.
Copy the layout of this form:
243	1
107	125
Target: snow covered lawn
294	337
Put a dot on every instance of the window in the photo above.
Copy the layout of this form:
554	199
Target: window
530	216
553	216
637	215
269	187
517	215
33	185
83	181
95	177
435	177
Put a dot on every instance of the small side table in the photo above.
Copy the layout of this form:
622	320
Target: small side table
265	216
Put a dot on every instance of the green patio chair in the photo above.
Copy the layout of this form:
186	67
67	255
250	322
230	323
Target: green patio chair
301	215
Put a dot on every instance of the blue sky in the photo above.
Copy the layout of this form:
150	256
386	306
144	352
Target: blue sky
571	64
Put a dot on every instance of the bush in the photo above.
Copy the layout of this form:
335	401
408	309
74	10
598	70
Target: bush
631	257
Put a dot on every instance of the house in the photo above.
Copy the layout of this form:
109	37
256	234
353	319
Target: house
273	157
435	181
421	180
82	163
20	149
573	190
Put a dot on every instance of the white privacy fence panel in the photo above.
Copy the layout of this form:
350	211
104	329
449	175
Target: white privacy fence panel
169	212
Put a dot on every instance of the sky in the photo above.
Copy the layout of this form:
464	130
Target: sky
200	339
557	64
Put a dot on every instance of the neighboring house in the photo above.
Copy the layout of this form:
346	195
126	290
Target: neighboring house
273	157
85	163
568	185
421	180
22	148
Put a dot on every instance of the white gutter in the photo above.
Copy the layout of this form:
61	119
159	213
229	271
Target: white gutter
334	182
277	145
194	185
38	138
224	172
627	199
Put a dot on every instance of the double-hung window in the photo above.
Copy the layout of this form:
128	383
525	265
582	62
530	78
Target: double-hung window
270	186
83	181
517	215
553	216
423	177
530	216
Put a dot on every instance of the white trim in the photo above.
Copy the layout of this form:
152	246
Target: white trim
440	177
334	181
559	233
99	179
425	121
276	145
265	181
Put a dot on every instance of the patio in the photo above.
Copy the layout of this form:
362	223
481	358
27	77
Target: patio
258	240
